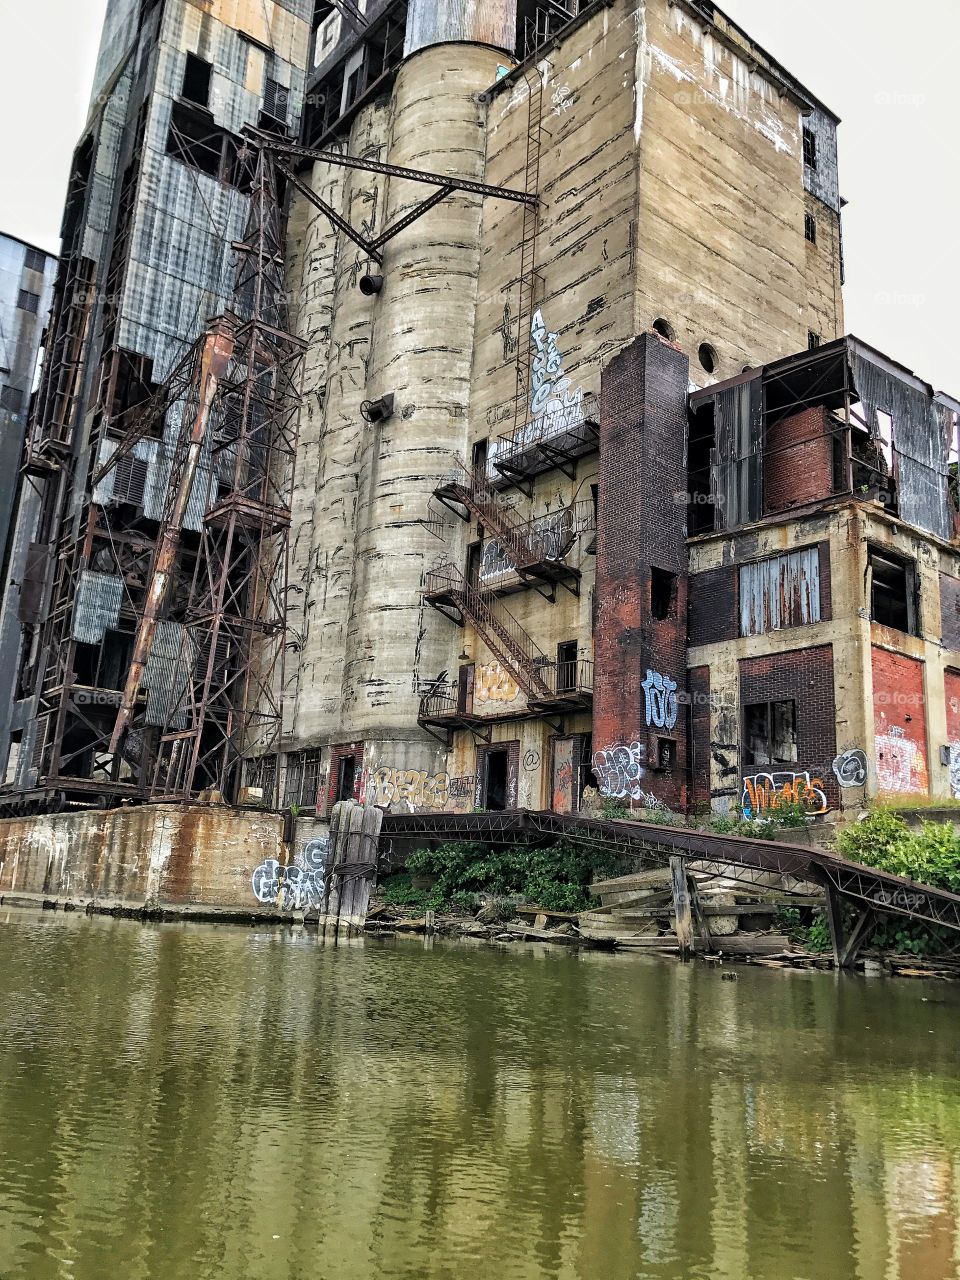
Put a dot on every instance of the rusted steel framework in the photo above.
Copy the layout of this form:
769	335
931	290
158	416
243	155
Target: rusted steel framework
233	617
751	862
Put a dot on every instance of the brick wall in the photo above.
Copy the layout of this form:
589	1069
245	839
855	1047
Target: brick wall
804	676
950	611
641	524
344	751
797	461
900	724
713	605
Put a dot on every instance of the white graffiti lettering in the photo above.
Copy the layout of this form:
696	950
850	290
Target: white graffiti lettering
662	702
619	770
297	886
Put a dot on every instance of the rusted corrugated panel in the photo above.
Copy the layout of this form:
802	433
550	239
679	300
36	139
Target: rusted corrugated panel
781	592
97	606
485	21
737	470
920	448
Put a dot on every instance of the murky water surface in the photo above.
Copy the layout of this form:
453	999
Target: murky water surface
184	1101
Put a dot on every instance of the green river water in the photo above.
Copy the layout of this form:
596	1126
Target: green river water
193	1101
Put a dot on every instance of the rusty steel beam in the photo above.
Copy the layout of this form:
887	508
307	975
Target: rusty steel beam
215	359
269	143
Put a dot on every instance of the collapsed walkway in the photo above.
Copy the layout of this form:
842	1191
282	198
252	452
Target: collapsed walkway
791	868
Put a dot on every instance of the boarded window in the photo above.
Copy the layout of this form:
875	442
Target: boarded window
130	480
275	101
781	592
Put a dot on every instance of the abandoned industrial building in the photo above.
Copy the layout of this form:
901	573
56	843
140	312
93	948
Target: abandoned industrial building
449	407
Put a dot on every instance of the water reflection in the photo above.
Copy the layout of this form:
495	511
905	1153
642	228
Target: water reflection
193	1101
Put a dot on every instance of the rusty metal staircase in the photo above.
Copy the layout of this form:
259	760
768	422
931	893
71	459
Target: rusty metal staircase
448	591
532	552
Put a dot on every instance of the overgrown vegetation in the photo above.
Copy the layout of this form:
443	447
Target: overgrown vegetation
783	818
555	878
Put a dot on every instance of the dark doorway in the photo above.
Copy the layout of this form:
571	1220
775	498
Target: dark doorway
474	558
479	458
346	777
566	666
498	766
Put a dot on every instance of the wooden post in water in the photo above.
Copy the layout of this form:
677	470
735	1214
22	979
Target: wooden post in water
683	915
351	866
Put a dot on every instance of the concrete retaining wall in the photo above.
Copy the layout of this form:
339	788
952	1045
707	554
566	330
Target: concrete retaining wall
157	856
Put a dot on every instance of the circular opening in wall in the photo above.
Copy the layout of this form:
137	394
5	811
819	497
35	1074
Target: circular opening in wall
708	357
664	328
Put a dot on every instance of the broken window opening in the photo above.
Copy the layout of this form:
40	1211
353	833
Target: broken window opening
809	148
810	228
662	592
885	436
892	583
346	778
196	81
770	733
701	512
814	340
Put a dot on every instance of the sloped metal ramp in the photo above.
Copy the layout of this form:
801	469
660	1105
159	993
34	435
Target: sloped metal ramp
792	867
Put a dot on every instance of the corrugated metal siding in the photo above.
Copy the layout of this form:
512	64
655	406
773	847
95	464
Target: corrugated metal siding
824	181
920	448
487	21
737	469
167	675
781	592
97	606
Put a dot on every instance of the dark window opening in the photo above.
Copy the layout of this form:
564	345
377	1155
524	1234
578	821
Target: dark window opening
892	591
810	228
701	513
664	328
195	141
196	81
813	340
809	148
28	301
36	260
770	733
662	590
465	685
666	754
567	657
11	399
496	768
707	356
474	561
479	457
346	777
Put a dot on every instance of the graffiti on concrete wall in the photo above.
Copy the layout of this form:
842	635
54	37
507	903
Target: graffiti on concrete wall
413	787
764	793
955	770
850	768
662	704
492	683
563	799
297	886
462	788
619	770
901	764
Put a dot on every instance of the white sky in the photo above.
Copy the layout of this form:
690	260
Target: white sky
892	83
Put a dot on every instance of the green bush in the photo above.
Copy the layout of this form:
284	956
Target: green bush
555	878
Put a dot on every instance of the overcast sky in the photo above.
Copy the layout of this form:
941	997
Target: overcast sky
892	82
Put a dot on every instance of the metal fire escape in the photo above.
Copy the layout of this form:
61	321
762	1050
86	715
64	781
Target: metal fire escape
535	552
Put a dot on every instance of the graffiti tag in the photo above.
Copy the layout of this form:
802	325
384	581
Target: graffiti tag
297	886
410	786
493	684
662	702
767	792
850	768
955	770
619	770
901	765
